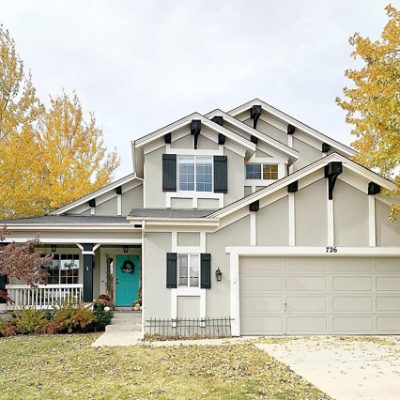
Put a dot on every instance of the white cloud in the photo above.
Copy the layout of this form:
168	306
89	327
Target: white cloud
141	65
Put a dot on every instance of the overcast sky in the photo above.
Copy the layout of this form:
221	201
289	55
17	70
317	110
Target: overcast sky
140	65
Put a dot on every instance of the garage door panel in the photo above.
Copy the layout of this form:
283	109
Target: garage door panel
390	265
261	283
306	283
353	304
259	301
388	324
307	324
352	283
388	283
303	303
352	324
314	265
388	304
267	325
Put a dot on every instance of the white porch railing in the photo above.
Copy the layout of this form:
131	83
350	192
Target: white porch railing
44	296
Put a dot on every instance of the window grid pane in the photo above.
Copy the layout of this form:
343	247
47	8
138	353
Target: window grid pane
183	269
194	270
186	173
203	174
253	171
63	269
270	171
195	173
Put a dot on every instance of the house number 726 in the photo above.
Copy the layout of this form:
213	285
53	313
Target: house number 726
331	249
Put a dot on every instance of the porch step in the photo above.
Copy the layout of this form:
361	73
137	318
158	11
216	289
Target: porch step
125	321
124	328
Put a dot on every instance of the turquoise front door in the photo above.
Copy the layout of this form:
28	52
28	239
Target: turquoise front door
127	280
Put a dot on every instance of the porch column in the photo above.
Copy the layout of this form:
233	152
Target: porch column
88	254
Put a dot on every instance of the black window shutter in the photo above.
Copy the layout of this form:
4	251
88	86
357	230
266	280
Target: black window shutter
220	174
171	270
205	260
169	172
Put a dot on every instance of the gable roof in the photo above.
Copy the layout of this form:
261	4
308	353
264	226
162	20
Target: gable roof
99	192
282	183
293	121
281	147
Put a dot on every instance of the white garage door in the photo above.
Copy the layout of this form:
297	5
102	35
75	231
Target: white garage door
324	295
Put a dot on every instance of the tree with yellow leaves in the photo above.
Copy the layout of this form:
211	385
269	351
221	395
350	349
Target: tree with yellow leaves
48	157
373	104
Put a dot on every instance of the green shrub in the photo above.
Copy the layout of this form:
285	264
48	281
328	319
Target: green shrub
73	318
29	320
101	319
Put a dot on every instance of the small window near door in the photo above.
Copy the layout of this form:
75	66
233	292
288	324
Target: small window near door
189	270
63	269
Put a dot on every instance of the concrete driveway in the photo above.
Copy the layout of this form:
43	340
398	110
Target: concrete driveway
345	368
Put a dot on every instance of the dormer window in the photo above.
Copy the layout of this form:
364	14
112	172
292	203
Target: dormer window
195	173
262	171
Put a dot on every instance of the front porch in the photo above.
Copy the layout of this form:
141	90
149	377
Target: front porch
83	272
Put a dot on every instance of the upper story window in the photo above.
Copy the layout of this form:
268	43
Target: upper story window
195	173
262	171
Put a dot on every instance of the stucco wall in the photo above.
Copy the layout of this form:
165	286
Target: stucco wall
153	194
157	298
132	199
387	232
311	214
272	224
236	175
350	210
308	154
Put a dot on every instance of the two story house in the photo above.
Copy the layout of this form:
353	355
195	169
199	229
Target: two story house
248	214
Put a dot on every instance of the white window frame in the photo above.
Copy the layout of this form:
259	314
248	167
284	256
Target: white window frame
194	158
261	165
188	270
57	256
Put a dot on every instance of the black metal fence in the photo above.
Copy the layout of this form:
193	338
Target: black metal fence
189	328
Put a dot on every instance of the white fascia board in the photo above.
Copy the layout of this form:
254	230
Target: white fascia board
305	128
282	148
307	170
79	239
257	251
104	189
186	120
72	227
175	222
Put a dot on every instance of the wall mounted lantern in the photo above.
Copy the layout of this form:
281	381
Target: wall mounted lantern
218	275
125	249
53	248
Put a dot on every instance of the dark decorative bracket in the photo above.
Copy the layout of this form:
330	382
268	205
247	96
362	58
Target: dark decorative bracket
255	113
325	147
118	190
332	171
195	128
253	139
218	119
221	138
167	138
291	129
293	187
92	203
255	206
374	188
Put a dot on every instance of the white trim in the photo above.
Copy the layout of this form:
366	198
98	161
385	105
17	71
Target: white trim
203	242
253	228
330	218
288	119
235	293
194	196
194	152
142	271
278	146
75	239
292	220
372	220
92	210
313	251
105	189
290	140
188	292
119	204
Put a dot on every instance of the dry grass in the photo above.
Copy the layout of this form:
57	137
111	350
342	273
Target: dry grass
66	367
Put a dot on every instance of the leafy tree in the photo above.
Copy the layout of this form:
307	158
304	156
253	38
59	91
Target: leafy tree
48	157
373	103
22	262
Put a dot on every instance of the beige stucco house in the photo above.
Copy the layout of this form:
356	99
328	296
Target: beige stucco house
248	214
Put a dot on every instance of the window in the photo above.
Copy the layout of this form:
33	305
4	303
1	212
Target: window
262	171
195	174
63	269
189	270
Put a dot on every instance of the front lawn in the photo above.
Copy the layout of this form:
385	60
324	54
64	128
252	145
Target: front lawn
66	367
